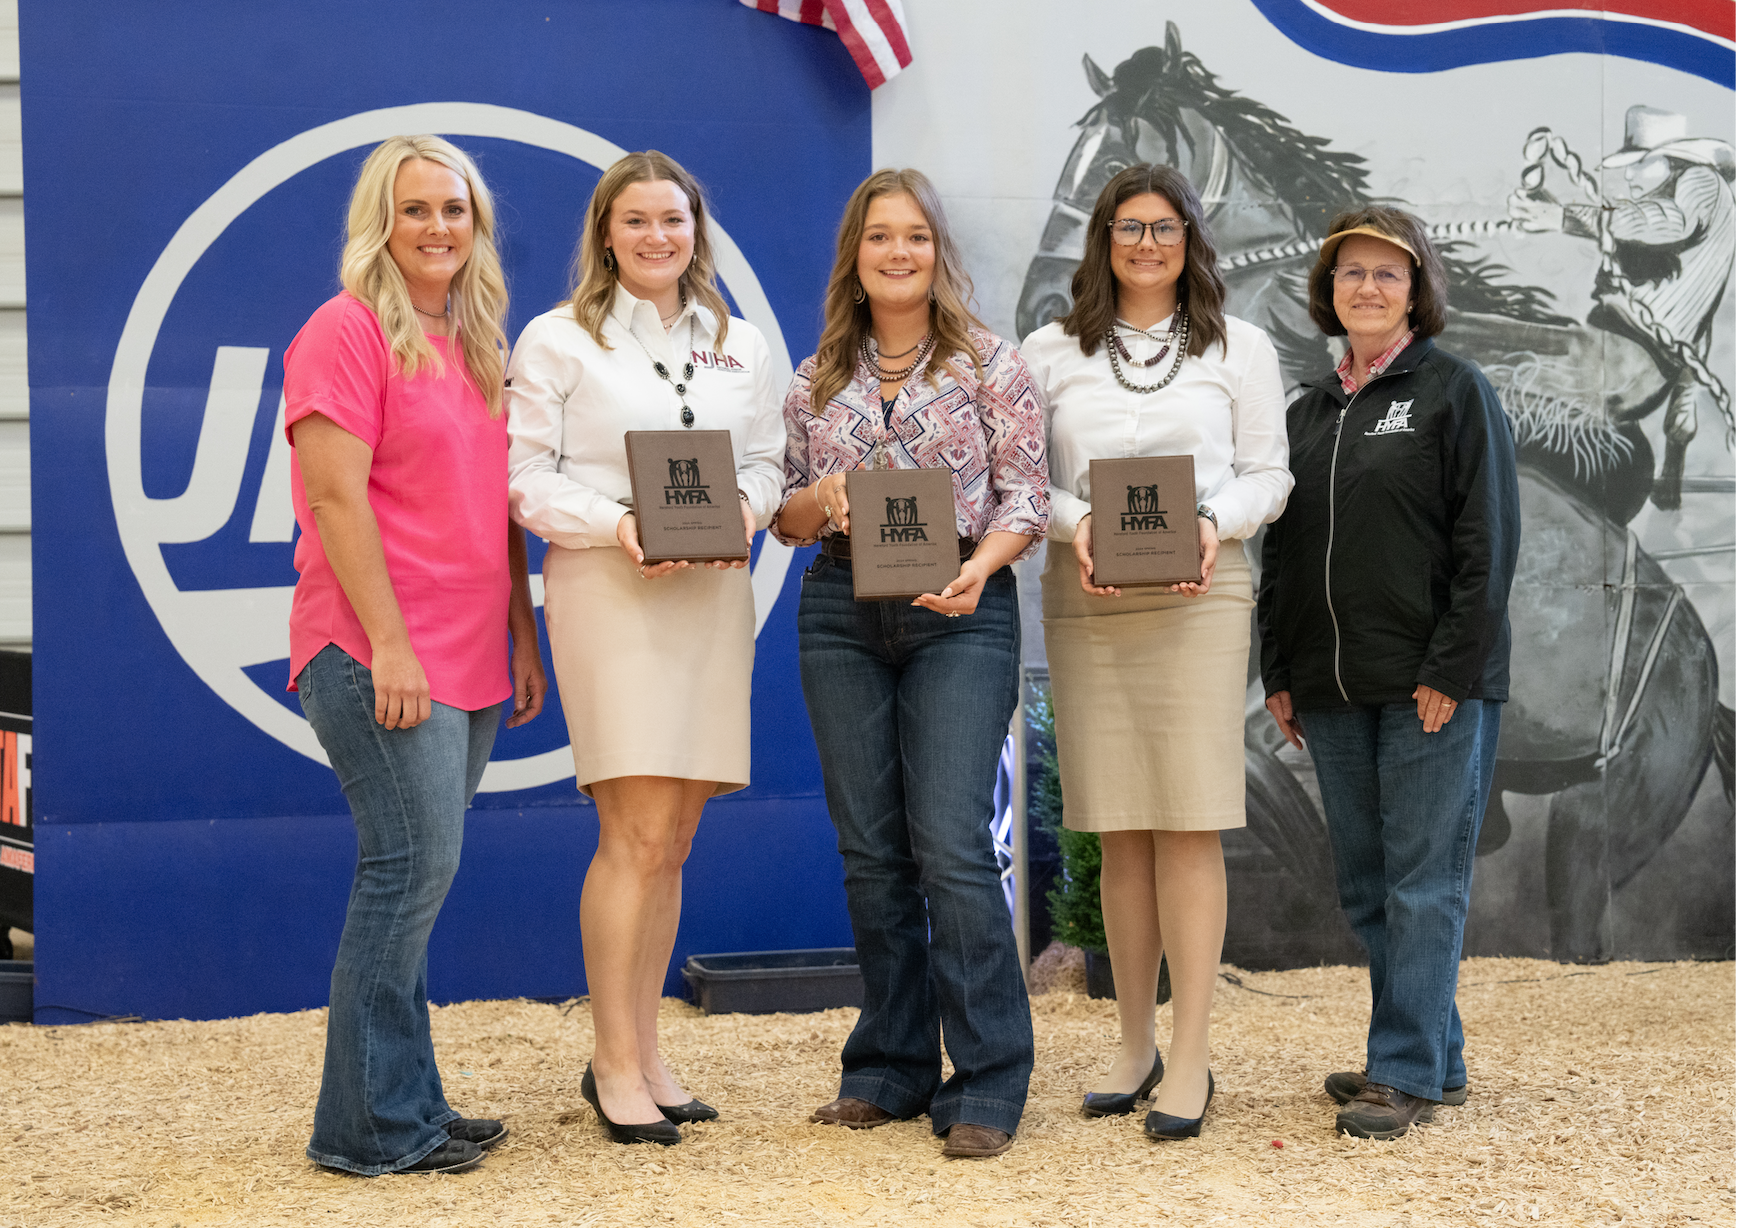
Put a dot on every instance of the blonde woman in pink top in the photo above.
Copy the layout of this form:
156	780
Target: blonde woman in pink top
412	623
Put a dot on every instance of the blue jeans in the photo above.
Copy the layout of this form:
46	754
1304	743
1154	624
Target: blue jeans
1404	809
910	710
381	1106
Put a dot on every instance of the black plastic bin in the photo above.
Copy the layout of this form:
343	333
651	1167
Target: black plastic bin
17	990
763	982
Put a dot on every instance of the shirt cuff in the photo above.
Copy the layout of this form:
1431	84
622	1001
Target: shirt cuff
1066	514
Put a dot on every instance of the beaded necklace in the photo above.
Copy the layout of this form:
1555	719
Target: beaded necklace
879	458
1181	331
923	348
1166	341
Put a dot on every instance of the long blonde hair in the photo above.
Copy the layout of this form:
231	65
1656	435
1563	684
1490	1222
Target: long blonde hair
595	281
844	322
479	291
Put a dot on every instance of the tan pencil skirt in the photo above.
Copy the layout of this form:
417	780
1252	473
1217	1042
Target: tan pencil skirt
654	674
1148	690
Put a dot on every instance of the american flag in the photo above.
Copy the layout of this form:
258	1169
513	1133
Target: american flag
874	31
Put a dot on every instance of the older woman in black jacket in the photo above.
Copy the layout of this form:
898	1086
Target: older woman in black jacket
1386	643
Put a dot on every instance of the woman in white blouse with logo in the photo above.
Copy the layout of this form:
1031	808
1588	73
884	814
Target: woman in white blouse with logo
653	661
1148	686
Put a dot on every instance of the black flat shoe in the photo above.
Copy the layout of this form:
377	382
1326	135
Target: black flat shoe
1166	1126
681	1114
661	1131
1116	1104
483	1131
456	1155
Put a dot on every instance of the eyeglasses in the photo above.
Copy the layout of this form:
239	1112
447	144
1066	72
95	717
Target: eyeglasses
1387	276
1168	231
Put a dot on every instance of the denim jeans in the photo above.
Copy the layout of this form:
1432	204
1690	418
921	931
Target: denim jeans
381	1106
1404	809
909	710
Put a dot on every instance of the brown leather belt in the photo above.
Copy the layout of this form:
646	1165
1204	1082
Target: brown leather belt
839	546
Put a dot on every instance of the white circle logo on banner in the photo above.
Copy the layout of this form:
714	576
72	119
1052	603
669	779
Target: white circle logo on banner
220	633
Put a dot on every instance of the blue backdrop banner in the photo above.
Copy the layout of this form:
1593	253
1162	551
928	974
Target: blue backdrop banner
187	173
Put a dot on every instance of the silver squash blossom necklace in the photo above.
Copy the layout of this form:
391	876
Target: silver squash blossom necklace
664	372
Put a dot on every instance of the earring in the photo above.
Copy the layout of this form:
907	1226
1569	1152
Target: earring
857	291
609	260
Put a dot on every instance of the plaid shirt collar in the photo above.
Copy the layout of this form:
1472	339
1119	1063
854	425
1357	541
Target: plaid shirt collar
1378	367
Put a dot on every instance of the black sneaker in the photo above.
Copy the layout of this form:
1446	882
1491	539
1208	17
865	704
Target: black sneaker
456	1155
483	1131
1380	1112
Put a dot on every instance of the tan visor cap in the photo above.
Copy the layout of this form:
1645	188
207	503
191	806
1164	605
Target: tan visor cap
1328	246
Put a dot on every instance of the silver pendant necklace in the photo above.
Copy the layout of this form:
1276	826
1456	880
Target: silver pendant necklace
664	372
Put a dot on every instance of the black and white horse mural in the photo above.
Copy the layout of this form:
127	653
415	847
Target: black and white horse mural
1615	718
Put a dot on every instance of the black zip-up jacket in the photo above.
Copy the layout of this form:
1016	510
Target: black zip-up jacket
1392	564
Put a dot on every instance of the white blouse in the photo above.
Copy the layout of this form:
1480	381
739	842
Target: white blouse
1228	411
569	401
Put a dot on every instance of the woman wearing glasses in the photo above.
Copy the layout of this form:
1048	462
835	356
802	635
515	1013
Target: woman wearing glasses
653	660
1386	643
910	703
1148	686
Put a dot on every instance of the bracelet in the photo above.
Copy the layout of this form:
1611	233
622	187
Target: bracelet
1207	513
826	511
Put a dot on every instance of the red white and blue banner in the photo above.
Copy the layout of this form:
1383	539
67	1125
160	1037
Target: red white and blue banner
874	31
1693	36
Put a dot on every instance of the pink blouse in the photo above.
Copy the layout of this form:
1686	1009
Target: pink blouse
438	487
990	435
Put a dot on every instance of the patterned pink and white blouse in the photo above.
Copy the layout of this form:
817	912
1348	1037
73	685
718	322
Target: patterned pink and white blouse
992	436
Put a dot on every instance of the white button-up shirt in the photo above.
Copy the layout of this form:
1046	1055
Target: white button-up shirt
570	400
1228	411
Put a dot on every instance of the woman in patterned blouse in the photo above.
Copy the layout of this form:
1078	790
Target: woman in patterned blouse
910	703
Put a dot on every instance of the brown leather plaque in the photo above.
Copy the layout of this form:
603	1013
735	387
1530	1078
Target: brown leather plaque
685	495
903	532
1144	529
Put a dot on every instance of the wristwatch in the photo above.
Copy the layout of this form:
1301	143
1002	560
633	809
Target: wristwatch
1207	513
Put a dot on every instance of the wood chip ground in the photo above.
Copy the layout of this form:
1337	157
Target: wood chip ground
1599	1096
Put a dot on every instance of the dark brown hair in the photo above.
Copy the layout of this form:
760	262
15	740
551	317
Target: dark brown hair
1201	289
1426	314
845	321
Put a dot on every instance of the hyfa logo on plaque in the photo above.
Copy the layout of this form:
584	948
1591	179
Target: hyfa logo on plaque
902	523
1144	536
675	516
1142	510
685	485
899	558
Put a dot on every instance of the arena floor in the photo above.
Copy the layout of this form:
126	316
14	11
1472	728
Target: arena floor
1598	1096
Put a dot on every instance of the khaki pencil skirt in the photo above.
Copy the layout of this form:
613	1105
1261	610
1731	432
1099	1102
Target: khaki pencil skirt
1148	690
654	674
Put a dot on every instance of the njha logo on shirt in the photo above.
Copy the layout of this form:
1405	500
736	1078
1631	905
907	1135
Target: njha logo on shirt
1396	420
723	362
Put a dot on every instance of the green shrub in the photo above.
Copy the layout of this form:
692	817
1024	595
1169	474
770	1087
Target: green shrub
1074	898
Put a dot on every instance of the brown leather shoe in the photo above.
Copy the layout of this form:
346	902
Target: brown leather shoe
853	1113
971	1142
1380	1112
